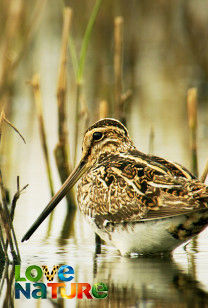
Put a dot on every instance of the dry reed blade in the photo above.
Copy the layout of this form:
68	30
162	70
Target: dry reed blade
35	83
76	133
84	114
16	197
62	148
6	218
103	109
13	127
120	98
3	249
10	235
4	119
151	140
9	290
192	123
118	64
1	122
8	225
204	173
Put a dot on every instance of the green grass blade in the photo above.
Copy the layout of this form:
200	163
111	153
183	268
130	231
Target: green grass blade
86	40
73	56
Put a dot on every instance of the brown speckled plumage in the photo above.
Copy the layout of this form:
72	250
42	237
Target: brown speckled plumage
129	185
134	201
125	186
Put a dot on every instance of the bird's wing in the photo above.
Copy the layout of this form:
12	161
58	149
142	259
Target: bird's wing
150	190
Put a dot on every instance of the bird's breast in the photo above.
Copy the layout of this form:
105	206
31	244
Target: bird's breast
101	192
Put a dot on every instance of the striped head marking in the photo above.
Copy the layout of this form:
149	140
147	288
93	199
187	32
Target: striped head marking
105	136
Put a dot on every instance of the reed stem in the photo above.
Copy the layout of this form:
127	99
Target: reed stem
39	108
79	65
62	148
205	172
6	222
3	249
151	140
192	122
103	109
118	64
8	225
76	132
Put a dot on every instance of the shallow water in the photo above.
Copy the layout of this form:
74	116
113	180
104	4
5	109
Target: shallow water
177	281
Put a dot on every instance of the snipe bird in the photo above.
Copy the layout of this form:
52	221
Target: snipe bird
138	203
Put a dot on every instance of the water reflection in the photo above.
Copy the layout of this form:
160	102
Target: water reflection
154	282
132	282
68	225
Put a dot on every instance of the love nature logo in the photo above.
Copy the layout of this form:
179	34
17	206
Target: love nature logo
67	289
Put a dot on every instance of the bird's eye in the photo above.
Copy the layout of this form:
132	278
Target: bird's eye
97	136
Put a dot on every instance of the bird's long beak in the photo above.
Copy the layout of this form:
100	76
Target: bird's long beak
68	184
